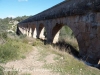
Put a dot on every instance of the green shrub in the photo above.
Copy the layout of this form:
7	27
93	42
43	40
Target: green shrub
25	40
4	35
67	35
12	49
22	36
36	42
8	51
1	70
11	73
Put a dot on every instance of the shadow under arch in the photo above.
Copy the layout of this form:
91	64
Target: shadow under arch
63	43
41	31
33	31
55	32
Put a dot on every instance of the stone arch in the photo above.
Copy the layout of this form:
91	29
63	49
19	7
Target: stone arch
55	32
20	29
41	31
33	30
29	30
66	42
25	28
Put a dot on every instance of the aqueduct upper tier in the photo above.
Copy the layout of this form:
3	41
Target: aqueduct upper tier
82	16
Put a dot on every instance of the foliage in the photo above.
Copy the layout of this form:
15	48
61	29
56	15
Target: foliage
25	40
12	49
4	72
11	73
19	19
4	23
1	70
66	34
3	35
22	36
36	43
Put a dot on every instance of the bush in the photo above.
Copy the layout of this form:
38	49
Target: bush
1	70
22	36
12	49
36	42
67	35
8	51
4	35
25	40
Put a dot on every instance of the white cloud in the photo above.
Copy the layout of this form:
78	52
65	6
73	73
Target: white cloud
12	16
22	0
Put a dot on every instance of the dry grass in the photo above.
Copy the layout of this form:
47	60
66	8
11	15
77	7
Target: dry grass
66	64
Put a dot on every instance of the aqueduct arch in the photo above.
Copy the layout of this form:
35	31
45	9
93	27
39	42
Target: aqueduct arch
25	29
41	31
33	30
55	32
29	30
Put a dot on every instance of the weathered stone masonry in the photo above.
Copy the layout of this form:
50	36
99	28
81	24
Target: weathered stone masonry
82	16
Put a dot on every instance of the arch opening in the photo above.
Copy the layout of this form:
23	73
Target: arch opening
67	34
33	31
29	30
64	39
55	32
41	32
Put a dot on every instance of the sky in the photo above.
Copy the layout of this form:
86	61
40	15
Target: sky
14	8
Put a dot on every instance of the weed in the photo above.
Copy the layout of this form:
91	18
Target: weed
65	64
13	49
23	57
4	35
70	65
22	36
67	35
26	74
36	42
25	40
11	73
1	70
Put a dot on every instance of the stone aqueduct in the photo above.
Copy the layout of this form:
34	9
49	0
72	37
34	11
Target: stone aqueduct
82	16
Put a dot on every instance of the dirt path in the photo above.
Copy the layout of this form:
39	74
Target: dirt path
29	65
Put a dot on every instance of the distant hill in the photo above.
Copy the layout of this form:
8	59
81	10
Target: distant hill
7	22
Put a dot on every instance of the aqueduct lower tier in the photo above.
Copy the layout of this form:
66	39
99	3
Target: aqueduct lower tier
85	27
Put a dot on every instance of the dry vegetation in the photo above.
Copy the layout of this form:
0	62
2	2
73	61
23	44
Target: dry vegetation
53	58
65	64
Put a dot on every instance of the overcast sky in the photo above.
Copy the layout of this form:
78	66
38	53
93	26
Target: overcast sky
14	8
